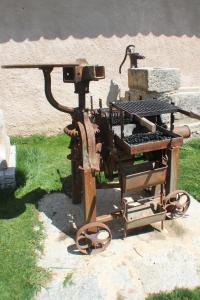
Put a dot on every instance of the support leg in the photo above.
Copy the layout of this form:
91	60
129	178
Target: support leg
76	183
172	174
89	186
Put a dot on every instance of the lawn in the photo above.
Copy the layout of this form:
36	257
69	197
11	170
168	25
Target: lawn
189	173
179	294
38	159
41	168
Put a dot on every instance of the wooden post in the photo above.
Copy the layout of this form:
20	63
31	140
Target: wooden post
76	183
89	188
172	173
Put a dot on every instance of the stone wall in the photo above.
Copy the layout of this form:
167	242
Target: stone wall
46	31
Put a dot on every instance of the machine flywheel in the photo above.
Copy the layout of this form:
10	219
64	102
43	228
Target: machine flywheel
176	204
93	238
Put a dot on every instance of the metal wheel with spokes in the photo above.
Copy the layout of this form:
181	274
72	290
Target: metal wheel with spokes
93	238
176	204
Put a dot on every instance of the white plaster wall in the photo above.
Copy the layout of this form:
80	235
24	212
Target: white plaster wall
167	32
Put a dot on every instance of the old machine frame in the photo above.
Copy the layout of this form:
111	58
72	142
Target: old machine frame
127	141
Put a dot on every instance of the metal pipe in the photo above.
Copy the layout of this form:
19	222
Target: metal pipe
91	102
183	131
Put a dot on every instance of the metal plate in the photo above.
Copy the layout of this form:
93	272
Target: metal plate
142	175
143	215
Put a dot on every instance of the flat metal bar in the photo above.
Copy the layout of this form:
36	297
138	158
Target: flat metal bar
27	66
89	189
172	174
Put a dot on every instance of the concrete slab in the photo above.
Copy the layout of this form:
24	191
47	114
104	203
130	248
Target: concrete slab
147	261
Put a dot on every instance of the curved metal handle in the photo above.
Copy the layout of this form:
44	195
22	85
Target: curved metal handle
47	86
128	51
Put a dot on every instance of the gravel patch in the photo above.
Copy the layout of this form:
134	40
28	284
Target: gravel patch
147	261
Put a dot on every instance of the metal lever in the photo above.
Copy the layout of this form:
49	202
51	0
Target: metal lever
189	114
48	93
79	74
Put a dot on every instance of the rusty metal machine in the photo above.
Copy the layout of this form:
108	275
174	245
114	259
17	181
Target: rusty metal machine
128	143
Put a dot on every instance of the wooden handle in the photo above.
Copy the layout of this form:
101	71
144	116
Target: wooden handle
146	123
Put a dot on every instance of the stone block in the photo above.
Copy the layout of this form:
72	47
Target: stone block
154	79
7	158
4	144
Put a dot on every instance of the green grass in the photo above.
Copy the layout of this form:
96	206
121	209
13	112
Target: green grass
42	168
178	294
68	280
189	176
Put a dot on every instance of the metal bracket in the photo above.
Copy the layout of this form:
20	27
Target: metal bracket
47	86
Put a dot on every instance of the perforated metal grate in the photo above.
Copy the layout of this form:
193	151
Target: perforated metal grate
144	108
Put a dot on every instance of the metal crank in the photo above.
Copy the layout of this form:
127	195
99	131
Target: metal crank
176	204
93	238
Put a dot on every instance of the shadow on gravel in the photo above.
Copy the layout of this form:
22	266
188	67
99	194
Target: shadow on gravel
12	206
59	209
67	217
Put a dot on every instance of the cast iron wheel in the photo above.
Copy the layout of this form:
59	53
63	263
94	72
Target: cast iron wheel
93	238
176	204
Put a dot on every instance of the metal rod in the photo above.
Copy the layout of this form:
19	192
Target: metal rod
110	217
81	101
161	201
189	114
110	115
172	122
91	102
100	103
122	123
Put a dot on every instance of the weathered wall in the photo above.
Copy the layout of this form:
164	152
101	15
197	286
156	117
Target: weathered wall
167	32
